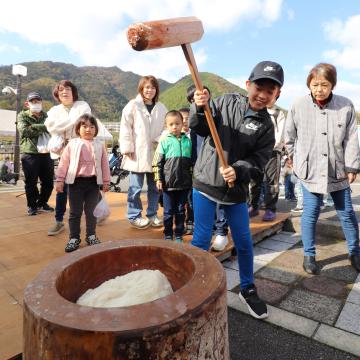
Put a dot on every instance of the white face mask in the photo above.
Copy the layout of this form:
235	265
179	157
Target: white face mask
35	107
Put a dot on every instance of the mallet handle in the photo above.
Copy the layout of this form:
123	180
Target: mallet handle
189	55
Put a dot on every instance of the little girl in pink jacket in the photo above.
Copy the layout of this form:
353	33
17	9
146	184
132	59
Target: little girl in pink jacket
84	166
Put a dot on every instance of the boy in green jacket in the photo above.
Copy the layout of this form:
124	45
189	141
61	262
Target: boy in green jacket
172	170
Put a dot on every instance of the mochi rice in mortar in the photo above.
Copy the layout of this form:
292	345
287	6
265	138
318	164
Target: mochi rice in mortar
136	287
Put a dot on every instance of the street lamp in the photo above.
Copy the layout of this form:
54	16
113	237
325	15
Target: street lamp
19	71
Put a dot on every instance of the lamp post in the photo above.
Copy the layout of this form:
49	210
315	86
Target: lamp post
19	71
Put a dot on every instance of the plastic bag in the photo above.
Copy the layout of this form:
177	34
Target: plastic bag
42	143
102	209
56	144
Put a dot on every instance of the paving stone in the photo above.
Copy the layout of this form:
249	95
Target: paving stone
326	286
258	264
291	259
339	270
314	306
232	278
273	244
265	254
338	338
231	263
271	292
279	275
279	317
349	318
292	238
354	296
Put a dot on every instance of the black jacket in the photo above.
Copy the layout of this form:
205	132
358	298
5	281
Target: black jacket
247	138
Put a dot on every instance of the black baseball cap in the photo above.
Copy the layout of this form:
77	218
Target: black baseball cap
33	95
268	70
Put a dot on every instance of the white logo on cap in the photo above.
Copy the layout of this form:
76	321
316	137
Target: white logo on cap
269	68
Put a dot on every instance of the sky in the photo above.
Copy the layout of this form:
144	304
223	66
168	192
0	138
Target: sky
298	34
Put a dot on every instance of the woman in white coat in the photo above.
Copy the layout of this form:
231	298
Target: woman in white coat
141	125
61	122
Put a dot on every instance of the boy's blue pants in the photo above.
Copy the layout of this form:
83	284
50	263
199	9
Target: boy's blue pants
238	219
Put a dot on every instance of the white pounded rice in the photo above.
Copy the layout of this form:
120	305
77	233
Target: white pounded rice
136	287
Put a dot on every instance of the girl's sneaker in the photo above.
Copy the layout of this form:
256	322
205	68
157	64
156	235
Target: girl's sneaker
92	240
72	245
178	239
168	238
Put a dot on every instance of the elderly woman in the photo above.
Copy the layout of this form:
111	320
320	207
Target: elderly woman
321	139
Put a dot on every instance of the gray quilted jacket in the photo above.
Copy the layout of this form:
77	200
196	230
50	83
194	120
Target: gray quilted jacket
323	143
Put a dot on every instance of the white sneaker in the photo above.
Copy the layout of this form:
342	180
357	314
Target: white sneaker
220	242
141	223
156	221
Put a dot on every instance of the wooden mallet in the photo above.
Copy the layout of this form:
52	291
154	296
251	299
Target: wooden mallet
174	32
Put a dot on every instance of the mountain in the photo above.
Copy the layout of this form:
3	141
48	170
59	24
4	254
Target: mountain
106	89
174	97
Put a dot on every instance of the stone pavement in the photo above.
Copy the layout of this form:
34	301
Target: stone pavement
325	308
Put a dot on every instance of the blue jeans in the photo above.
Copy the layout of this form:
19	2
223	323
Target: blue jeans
174	208
289	188
60	204
133	199
345	212
221	225
238	219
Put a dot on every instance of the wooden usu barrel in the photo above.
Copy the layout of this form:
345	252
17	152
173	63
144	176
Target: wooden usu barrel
189	324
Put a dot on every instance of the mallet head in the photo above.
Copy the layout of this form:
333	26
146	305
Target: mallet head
164	33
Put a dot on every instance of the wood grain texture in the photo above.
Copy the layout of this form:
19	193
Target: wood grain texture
164	33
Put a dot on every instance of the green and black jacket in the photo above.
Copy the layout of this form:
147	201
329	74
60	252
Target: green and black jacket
172	162
30	128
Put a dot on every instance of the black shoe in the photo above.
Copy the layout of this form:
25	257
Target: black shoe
32	211
310	265
92	240
45	208
355	261
257	308
72	245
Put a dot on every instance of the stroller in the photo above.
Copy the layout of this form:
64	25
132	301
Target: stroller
116	172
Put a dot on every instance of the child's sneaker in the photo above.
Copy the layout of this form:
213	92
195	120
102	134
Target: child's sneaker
253	211
257	308
92	240
178	239
56	229
297	210
189	228
220	242
140	223
269	215
168	238
32	211
72	245
45	208
155	221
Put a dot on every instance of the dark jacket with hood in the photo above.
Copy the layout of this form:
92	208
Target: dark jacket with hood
247	138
